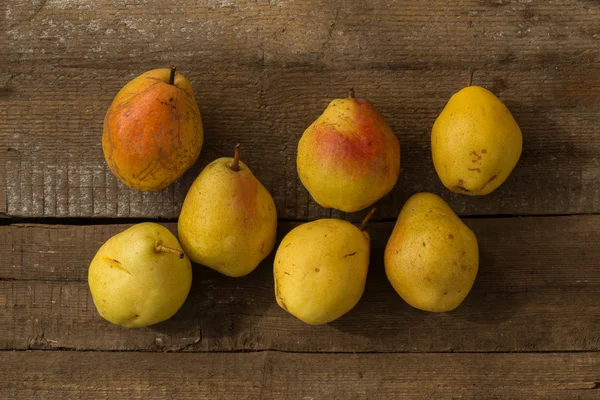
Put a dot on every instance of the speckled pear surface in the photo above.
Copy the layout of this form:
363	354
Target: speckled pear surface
475	142
432	257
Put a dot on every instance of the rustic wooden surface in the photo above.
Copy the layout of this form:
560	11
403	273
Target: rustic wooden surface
530	301
282	376
262	71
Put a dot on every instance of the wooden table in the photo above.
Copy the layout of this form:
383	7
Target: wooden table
262	71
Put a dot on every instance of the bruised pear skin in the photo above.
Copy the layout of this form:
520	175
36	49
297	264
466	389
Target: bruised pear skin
349	157
152	130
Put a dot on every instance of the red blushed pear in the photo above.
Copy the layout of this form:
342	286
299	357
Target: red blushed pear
349	157
153	130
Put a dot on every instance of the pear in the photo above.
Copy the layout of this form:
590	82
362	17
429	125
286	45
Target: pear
431	258
228	220
475	142
140	276
152	130
320	269
349	157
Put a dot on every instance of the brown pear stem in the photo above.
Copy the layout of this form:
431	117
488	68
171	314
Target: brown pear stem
172	76
471	71
160	248
366	219
235	164
351	93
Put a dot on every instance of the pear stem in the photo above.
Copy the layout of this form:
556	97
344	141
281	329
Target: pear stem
471	71
235	164
172	76
351	93
160	248
366	219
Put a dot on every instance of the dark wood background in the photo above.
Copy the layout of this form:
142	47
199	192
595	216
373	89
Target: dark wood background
262	71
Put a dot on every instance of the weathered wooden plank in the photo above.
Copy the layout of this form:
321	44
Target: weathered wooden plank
310	32
59	170
232	316
516	253
274	375
537	290
67	59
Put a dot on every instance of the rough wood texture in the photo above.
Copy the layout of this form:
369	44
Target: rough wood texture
263	71
280	376
537	290
541	249
222	316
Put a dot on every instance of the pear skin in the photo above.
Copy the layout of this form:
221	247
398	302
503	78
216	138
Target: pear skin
349	157
228	220
152	130
320	270
140	276
475	142
432	257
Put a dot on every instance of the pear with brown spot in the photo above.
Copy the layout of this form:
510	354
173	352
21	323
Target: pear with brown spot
140	276
228	220
432	257
320	269
475	142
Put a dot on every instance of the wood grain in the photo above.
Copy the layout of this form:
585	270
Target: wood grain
263	71
537	290
224	317
281	376
518	252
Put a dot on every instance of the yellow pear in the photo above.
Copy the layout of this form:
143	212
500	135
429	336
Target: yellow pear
349	157
140	276
475	142
152	130
228	220
320	269
432	257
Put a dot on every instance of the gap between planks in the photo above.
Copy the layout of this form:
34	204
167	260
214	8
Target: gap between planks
245	351
50	221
